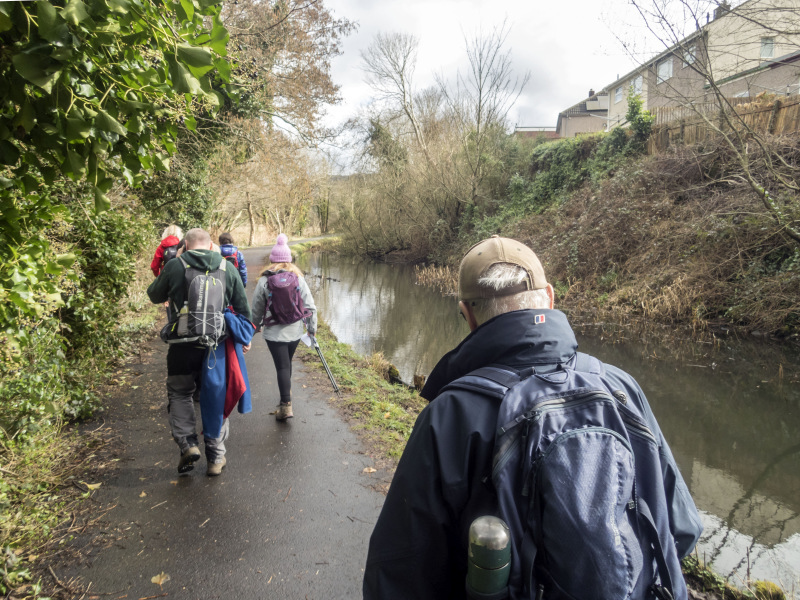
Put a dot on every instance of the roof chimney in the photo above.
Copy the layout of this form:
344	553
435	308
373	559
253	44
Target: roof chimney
591	92
721	9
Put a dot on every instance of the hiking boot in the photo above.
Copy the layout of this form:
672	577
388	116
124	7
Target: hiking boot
188	457
216	467
284	412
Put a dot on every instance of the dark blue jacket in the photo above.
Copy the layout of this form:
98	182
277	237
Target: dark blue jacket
419	546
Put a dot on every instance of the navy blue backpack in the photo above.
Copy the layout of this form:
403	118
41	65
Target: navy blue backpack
576	470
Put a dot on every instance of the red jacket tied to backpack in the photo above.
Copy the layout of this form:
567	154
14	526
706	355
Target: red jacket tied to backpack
159	258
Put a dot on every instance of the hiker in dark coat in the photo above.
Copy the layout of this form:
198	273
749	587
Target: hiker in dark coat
185	361
443	482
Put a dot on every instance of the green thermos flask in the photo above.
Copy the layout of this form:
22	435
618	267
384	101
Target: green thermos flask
489	561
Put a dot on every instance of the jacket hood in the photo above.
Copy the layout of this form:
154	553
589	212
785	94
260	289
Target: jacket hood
203	259
168	241
512	339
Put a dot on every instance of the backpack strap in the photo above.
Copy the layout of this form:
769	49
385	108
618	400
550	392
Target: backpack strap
491	380
586	364
648	528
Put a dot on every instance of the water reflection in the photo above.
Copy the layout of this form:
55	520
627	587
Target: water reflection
732	421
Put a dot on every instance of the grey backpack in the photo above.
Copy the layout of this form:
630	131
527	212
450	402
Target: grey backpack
201	320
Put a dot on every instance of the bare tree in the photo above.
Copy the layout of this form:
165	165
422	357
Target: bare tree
389	63
726	56
429	151
481	99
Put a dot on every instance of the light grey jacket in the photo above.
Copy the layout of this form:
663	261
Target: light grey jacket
282	333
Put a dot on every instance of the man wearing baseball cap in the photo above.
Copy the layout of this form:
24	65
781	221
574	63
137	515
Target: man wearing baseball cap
443	482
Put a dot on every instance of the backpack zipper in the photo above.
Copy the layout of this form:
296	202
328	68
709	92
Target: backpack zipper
204	320
638	429
533	415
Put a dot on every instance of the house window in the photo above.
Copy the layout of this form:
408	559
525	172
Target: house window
636	85
618	95
767	47
689	55
664	70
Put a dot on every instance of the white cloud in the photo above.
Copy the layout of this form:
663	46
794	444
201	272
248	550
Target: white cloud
567	46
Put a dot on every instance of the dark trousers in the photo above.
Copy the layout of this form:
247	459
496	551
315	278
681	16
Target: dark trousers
184	365
282	353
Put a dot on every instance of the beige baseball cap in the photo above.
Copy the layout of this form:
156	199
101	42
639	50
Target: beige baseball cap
491	252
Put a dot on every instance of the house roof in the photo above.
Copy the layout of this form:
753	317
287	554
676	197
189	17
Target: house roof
671	50
658	57
580	107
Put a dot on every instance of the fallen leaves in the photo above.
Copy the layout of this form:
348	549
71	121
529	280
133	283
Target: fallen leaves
369	470
160	579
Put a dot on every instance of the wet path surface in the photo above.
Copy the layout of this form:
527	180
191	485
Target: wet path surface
290	517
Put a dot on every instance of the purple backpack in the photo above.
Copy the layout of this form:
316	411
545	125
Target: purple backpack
284	302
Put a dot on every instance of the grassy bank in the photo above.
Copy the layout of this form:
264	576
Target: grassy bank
383	416
382	413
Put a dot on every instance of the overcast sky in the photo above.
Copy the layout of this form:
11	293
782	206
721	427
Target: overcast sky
568	46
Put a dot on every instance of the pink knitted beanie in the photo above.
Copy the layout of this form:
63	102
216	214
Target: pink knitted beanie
280	251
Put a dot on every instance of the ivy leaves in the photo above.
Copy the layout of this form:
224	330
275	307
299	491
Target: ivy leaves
94	90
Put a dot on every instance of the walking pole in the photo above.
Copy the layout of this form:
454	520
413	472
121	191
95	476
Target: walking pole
327	369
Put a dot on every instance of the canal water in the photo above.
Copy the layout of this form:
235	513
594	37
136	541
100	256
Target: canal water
730	410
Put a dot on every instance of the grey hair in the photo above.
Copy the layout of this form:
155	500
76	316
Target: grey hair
502	275
172	230
197	238
499	277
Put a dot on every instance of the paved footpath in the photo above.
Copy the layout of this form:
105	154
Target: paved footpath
290	516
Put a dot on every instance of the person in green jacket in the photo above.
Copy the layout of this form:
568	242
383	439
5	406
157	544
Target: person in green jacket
185	360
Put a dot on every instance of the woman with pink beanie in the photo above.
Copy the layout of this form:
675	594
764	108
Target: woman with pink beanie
281	304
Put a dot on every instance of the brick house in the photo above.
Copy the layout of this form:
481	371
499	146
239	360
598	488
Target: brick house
743	50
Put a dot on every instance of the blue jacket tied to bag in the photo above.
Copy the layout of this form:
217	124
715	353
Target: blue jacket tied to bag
214	389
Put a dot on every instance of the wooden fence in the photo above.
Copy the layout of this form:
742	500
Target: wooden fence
689	125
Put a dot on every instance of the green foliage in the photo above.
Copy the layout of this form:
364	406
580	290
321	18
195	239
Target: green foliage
107	248
95	90
555	169
32	270
385	149
561	166
181	196
641	121
49	374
